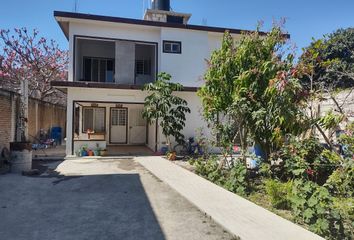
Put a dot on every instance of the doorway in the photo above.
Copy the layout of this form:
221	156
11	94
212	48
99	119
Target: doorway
118	126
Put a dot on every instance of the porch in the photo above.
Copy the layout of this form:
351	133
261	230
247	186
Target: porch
58	152
118	128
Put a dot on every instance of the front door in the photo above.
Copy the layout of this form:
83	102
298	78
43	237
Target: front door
119	122
137	126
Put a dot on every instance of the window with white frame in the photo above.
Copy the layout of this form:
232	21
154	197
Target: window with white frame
93	119
172	47
119	117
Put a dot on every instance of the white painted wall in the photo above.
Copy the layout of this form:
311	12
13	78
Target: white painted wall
194	120
186	68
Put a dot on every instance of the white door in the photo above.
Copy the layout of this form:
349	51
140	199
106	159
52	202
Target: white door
119	119
137	126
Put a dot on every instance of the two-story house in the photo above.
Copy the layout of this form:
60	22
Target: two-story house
111	58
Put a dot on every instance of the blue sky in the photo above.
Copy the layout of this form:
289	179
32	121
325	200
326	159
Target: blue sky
305	18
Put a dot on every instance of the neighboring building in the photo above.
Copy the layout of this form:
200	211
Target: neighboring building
111	58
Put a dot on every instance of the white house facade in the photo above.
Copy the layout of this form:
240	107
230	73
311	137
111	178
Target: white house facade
111	58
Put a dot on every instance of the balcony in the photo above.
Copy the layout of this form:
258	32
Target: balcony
114	61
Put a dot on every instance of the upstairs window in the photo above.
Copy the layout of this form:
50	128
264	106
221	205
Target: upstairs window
172	47
143	67
98	69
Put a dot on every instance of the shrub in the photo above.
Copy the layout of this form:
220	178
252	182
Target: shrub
341	181
278	193
299	154
312	204
237	179
345	207
209	169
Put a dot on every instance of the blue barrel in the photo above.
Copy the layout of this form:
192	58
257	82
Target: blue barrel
56	134
259	151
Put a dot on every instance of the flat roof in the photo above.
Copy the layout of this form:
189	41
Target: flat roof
60	14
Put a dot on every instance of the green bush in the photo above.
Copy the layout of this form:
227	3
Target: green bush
313	205
209	169
345	207
278	193
237	179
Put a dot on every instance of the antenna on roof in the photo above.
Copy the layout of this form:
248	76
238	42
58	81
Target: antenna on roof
143	7
76	5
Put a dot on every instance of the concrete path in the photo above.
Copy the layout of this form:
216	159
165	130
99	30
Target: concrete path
236	214
100	199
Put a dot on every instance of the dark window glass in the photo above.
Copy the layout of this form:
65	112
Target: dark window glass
88	119
176	47
110	65
143	67
110	71
94	70
174	19
103	67
139	66
172	47
98	70
168	47
87	69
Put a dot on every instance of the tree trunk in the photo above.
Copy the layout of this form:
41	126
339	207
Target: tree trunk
22	121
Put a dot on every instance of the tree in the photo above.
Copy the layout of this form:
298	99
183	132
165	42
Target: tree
29	63
165	108
327	67
332	60
26	56
254	86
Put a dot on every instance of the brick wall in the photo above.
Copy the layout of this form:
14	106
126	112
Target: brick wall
41	115
5	120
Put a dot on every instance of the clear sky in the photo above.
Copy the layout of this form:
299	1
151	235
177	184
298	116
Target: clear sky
305	18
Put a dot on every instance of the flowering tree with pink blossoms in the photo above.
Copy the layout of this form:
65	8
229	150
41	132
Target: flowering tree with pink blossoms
26	56
28	63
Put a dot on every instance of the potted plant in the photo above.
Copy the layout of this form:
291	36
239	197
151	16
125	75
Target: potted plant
104	152
83	150
90	153
97	151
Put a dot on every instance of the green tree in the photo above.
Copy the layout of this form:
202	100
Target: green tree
331	59
327	67
254	84
167	109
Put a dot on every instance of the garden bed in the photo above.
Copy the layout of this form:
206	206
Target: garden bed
303	202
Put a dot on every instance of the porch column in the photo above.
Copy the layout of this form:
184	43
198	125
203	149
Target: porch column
69	126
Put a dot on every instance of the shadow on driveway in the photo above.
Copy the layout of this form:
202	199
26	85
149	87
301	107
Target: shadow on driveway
111	206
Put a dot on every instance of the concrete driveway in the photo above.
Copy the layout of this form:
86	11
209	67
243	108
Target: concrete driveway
98	199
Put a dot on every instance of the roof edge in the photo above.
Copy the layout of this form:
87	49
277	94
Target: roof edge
67	84
85	16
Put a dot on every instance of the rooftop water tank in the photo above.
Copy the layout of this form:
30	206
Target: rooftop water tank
161	5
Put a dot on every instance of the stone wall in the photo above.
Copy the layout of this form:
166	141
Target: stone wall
41	115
